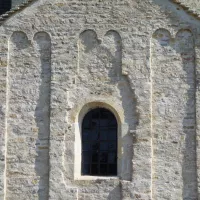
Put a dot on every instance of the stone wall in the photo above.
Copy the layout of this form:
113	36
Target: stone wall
173	68
28	114
139	59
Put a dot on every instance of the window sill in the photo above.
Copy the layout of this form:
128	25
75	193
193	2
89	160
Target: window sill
87	178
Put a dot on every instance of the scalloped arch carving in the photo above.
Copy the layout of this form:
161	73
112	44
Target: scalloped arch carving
173	107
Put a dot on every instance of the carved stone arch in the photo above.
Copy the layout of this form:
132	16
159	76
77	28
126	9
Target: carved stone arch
88	40
161	30
163	36
185	30
42	53
103	55
185	40
185	46
116	35
94	104
116	39
19	40
100	66
173	83
113	43
79	114
42	39
18	77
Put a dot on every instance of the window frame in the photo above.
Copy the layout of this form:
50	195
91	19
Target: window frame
77	116
94	145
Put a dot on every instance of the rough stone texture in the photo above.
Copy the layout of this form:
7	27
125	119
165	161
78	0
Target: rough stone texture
139	59
28	113
177	111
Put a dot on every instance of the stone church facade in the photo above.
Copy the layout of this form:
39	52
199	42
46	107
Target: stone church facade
125	70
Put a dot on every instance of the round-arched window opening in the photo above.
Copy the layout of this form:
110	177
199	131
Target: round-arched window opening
99	143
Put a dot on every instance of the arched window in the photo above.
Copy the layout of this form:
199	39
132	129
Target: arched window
99	143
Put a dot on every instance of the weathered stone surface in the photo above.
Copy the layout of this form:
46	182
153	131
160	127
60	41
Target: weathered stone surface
175	60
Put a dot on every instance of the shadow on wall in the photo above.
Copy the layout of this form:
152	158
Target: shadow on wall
42	113
173	104
115	194
186	49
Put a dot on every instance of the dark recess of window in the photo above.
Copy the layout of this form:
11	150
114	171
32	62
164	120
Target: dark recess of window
99	143
5	5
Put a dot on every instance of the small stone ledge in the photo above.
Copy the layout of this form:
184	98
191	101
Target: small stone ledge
94	178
